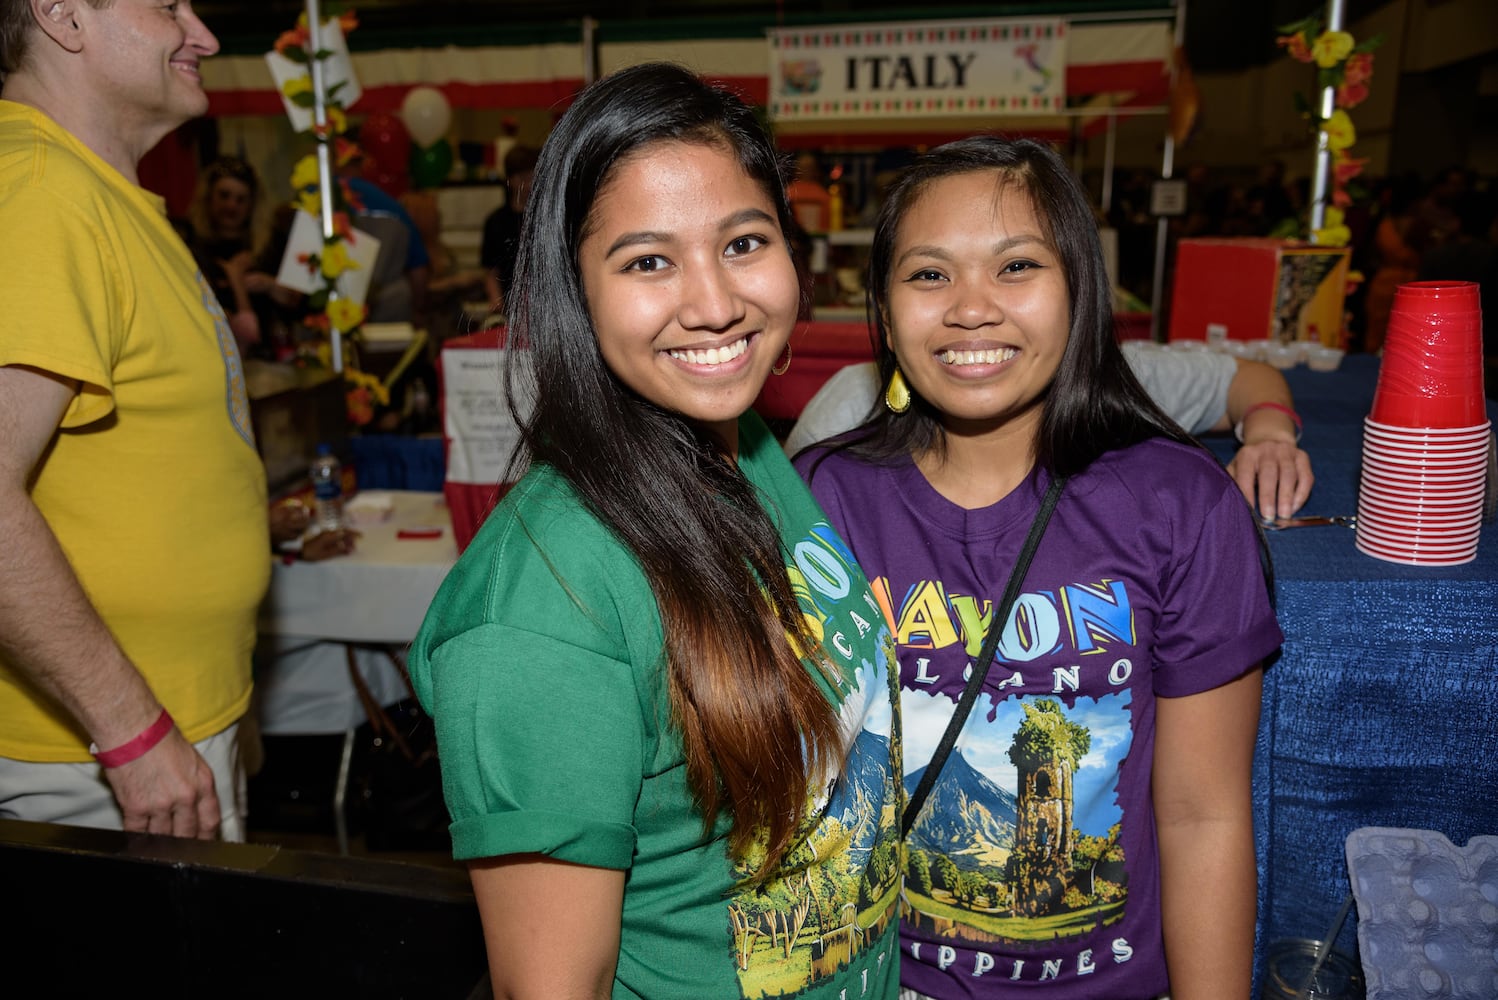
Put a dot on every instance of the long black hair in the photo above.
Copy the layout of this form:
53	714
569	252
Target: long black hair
755	726
1094	404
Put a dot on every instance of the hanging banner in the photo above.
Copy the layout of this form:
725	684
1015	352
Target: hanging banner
979	67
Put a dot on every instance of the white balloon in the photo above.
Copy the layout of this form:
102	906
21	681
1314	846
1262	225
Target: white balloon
426	114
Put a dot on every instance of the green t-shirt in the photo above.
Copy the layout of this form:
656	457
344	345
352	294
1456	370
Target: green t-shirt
541	660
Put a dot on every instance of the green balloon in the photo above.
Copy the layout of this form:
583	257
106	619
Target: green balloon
430	165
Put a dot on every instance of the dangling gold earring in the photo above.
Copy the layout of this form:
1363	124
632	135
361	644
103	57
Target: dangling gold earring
897	395
784	365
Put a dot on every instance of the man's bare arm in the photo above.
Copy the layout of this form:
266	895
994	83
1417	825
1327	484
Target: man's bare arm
50	631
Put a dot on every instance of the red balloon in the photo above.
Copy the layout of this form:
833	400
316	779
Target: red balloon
385	142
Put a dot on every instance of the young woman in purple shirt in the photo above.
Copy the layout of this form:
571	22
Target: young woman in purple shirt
1090	835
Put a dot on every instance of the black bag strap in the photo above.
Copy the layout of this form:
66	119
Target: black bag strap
985	658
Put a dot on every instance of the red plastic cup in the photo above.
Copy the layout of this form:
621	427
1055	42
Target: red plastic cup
1438	294
1432	369
1416	410
1426	386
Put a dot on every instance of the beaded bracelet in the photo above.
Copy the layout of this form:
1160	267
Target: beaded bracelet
1266	405
137	747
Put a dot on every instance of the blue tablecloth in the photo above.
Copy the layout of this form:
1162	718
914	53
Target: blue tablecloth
394	462
1382	709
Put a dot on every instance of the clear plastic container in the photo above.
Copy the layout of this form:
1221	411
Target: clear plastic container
1288	965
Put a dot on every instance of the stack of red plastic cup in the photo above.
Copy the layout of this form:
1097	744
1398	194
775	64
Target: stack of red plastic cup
1425	445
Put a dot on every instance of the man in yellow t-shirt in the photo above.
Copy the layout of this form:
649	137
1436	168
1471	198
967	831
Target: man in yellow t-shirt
133	541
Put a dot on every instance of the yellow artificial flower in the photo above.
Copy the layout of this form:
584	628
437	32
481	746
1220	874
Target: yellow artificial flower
1339	131
304	174
1331	47
364	380
335	260
1332	236
297	85
337	120
345	314
309	201
1334	231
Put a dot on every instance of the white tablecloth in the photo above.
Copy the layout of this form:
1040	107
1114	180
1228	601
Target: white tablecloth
378	595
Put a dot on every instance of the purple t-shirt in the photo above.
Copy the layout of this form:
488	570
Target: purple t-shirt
1034	862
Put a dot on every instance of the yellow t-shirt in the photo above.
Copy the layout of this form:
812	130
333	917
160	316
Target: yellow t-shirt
153	486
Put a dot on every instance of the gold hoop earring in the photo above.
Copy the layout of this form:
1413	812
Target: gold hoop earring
785	365
897	394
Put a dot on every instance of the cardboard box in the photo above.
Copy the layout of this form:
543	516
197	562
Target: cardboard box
1259	289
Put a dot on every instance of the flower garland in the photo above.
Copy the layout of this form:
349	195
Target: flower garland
1346	65
327	310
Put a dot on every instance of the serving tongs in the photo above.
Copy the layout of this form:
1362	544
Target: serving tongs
1281	523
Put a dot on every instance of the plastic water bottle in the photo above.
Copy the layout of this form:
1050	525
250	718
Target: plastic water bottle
327	487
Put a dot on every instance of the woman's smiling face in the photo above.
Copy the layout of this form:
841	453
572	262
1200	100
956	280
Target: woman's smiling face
689	281
978	307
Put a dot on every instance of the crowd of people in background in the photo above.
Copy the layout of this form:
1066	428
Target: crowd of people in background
1405	227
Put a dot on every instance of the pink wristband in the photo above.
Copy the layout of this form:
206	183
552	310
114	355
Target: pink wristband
1266	405
138	747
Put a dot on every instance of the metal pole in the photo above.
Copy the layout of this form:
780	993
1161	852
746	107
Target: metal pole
1167	167
1110	147
324	157
590	50
1328	103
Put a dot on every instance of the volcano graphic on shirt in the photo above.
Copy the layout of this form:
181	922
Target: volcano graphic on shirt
966	817
1019	838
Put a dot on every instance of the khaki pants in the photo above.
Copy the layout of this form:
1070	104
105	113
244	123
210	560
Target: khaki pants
78	794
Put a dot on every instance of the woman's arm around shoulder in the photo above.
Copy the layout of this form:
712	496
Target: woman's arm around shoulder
551	928
1204	746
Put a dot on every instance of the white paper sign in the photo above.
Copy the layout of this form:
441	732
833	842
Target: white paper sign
480	431
337	68
980	67
306	238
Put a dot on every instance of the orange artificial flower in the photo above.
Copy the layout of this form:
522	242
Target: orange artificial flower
359	406
1359	68
1296	45
1346	168
347	22
349	198
1350	95
296	38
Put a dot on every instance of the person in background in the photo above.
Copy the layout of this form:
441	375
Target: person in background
224	243
1091	834
1395	256
1202	391
810	200
132	499
1472	255
501	241
662	688
375	200
449	284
